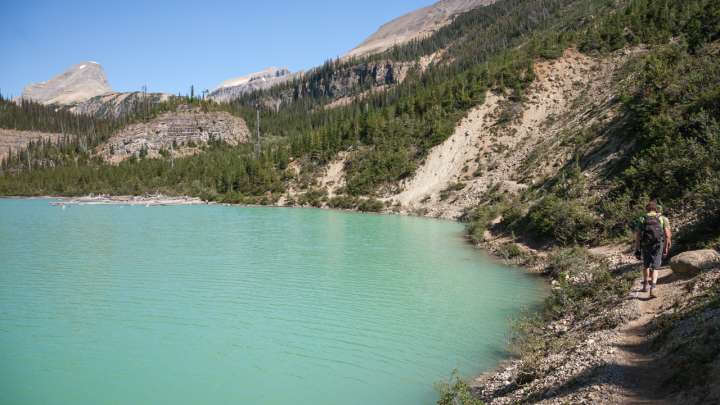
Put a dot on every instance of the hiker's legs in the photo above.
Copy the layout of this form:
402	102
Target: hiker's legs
652	260
646	276
654	277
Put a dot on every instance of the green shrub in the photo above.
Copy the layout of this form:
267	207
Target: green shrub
583	284
371	205
445	193
314	198
619	213
343	202
562	263
564	221
512	252
480	219
456	392
512	215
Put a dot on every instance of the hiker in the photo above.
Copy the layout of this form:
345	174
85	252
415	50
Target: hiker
652	242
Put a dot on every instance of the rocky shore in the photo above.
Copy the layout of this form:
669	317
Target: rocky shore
146	200
615	346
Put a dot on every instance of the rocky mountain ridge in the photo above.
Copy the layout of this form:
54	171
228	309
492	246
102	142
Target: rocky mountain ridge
233	88
84	89
77	84
414	25
343	85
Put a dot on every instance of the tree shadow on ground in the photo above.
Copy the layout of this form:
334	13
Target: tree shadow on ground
642	380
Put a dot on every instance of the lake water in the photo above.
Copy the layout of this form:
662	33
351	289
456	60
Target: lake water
232	305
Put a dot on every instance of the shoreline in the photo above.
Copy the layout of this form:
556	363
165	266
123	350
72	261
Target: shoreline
144	200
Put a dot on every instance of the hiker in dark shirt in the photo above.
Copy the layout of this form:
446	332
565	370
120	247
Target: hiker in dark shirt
653	239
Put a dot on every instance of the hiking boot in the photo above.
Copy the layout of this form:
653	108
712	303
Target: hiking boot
644	286
652	292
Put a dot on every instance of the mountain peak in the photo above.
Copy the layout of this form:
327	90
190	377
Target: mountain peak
79	83
414	25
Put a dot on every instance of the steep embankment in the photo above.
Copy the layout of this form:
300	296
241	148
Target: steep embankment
512	144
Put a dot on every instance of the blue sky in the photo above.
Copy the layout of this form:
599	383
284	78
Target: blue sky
170	45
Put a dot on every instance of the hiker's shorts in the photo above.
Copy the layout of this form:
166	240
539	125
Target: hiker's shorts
652	258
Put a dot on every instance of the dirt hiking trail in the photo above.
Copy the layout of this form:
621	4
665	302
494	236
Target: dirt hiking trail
642	377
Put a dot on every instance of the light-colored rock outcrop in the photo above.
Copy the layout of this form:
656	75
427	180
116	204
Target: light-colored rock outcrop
14	140
695	261
79	83
343	85
417	24
234	88
179	133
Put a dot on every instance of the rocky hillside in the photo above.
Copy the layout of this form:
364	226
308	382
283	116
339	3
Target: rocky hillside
506	144
513	144
12	140
234	88
79	83
180	133
417	24
116	105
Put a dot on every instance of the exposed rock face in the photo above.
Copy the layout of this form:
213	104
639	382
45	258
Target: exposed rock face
694	262
379	73
115	105
178	133
79	83
344	83
14	140
234	88
417	24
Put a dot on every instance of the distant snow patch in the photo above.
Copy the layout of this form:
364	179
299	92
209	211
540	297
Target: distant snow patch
82	66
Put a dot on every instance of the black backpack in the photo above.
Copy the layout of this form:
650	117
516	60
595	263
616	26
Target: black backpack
652	233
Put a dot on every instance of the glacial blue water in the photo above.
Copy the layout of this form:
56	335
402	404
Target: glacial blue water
232	305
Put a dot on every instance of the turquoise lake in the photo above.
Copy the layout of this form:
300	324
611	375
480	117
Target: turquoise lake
233	305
